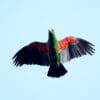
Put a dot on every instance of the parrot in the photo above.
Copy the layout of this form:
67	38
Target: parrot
53	53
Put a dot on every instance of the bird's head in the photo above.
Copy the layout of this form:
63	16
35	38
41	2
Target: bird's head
51	33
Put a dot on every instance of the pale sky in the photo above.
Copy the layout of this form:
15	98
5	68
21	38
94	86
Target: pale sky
25	21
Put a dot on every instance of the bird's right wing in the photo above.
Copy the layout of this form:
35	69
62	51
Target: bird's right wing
71	47
34	53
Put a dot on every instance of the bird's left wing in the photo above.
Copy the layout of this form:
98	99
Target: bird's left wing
34	53
71	47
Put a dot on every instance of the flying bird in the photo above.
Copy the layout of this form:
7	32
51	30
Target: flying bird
53	53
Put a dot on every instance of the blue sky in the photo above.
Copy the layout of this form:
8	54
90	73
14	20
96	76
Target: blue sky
25	21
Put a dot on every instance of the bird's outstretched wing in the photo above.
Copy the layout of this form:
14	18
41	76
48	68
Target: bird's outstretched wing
71	47
34	53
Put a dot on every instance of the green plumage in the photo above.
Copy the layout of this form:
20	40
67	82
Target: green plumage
54	55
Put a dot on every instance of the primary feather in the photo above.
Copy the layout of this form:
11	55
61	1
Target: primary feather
34	53
71	47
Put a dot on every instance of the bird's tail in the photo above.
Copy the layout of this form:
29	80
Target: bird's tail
56	70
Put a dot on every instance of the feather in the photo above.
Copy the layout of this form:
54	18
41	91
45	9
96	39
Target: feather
74	47
34	53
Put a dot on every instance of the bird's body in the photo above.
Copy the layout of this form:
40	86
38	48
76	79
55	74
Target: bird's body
53	48
53	53
56	68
